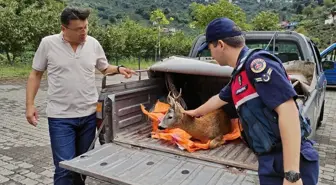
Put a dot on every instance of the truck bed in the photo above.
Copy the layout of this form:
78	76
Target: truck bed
233	153
129	126
131	156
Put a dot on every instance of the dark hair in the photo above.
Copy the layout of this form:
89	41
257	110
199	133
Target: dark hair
236	41
72	13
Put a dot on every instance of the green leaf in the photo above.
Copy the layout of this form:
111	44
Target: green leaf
266	21
204	14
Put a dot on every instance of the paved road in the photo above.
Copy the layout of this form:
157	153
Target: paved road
25	155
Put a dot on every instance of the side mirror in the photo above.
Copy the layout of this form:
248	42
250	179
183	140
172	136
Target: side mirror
327	64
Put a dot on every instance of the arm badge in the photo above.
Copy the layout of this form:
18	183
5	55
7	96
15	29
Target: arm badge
258	65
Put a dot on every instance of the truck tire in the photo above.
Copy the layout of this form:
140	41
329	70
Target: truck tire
320	119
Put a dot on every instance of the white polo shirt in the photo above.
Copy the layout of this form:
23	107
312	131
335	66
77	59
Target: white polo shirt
71	75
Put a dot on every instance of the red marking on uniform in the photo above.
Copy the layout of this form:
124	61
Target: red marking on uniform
235	86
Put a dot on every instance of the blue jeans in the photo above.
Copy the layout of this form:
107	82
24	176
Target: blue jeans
271	171
70	137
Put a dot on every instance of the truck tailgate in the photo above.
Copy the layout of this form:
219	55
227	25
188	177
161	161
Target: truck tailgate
124	165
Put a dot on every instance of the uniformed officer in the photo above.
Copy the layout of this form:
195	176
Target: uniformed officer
264	98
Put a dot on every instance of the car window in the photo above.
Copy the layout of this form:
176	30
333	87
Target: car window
313	57
328	60
285	50
331	56
318	57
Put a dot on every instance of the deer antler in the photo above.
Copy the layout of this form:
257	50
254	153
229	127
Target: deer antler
170	99
179	95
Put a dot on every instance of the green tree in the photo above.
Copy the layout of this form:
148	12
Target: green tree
43	20
139	40
328	3
112	40
308	11
202	15
176	44
158	17
12	34
302	30
25	23
266	21
110	37
318	11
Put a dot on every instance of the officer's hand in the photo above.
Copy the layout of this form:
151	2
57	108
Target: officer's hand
31	115
126	72
286	182
192	113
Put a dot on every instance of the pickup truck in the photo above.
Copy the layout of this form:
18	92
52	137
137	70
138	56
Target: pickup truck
131	156
328	62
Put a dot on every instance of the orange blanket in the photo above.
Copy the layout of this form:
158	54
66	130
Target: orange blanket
178	136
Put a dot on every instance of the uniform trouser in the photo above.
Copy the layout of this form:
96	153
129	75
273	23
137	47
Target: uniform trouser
271	171
70	137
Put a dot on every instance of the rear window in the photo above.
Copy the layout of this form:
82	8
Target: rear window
285	50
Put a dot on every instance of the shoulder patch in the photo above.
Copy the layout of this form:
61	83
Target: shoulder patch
258	65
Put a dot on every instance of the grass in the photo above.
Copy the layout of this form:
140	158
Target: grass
21	71
18	71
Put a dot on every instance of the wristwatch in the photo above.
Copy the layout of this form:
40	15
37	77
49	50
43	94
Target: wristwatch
119	67
292	176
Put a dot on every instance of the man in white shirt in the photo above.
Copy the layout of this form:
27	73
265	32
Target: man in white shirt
70	59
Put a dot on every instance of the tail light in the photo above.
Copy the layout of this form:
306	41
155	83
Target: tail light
99	113
99	110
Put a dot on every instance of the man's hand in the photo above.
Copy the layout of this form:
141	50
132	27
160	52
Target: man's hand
212	104
31	115
192	113
33	84
286	182
126	72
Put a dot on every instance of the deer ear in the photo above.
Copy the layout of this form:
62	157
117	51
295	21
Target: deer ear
178	109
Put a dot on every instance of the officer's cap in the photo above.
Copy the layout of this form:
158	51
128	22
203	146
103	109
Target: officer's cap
219	28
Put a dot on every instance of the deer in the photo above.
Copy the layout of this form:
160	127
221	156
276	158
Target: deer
212	126
302	70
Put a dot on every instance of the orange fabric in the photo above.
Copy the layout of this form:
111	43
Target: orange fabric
158	113
178	136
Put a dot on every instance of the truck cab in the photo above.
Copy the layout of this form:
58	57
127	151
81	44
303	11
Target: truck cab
131	156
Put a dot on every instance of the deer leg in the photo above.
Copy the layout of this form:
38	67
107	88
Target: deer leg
216	142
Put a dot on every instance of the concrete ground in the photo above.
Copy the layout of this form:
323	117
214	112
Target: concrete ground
25	155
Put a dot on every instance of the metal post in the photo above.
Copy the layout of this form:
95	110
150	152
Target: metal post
159	45
139	67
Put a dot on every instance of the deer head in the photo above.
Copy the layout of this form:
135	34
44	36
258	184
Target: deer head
174	113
